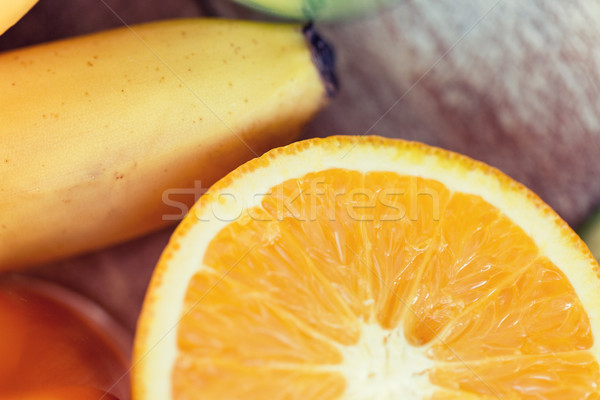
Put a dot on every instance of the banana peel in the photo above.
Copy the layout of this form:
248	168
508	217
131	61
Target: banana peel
111	135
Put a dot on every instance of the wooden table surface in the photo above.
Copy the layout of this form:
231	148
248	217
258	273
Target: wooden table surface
512	83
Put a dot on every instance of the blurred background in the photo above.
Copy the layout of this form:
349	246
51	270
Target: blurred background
515	84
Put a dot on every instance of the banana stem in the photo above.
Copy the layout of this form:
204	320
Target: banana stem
323	56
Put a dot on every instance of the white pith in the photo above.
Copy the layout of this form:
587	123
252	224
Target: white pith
383	366
160	340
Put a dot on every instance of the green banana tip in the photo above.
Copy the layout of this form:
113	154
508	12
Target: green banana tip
323	57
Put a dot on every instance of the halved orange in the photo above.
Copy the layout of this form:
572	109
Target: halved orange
369	268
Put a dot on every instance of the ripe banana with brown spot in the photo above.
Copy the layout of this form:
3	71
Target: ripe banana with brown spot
94	130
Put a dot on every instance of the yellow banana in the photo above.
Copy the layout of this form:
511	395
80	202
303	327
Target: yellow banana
13	10
96	130
315	9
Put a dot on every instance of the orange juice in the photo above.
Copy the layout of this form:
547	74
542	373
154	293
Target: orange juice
56	345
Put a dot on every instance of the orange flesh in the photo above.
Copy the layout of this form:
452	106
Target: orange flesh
293	280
